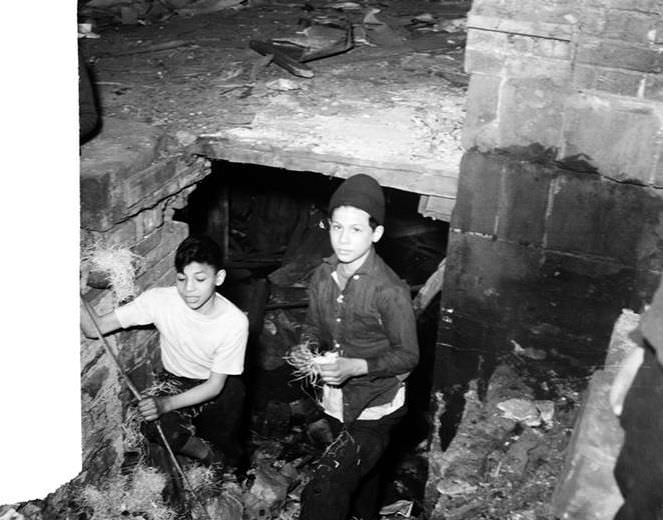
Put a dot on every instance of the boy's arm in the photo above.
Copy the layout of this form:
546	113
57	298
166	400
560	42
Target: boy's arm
311	327
107	323
152	407
397	314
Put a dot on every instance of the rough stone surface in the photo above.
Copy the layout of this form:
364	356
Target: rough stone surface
531	112
631	128
123	173
482	108
121	149
409	93
624	25
587	490
542	258
536	52
509	292
101	415
644	6
550	11
639	58
140	196
604	219
480	186
623	83
559	210
92	384
495	463
522	218
654	90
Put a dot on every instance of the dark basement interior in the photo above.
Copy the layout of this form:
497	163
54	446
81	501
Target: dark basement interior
519	148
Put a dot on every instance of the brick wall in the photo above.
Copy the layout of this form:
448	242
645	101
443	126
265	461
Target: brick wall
133	177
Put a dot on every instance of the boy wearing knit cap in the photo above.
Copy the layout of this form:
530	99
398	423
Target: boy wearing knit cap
361	312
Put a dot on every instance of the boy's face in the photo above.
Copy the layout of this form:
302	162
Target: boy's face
196	285
351	234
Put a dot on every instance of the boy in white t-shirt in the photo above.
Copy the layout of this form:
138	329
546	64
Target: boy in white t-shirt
203	342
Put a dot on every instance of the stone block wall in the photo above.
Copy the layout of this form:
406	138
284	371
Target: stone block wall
558	222
580	78
540	254
133	177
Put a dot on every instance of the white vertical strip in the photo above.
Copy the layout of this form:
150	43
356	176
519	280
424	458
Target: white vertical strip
40	438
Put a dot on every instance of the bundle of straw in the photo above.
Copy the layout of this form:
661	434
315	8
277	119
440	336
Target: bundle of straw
306	362
137	494
118	264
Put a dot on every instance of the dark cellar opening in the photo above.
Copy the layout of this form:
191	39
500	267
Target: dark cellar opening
269	223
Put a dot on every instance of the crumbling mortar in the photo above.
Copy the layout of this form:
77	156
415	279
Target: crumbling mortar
139	206
189	186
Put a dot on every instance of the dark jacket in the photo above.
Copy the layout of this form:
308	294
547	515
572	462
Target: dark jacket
373	319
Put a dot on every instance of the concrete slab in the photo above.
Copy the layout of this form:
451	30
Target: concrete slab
394	111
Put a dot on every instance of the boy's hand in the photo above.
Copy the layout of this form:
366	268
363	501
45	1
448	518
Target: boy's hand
336	372
152	407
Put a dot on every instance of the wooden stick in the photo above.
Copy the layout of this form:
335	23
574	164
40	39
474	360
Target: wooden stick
281	58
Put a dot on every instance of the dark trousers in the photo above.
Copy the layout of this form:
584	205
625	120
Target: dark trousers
218	421
639	467
347	479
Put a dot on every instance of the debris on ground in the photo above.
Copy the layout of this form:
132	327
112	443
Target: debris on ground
508	449
137	494
398	510
282	84
10	514
527	412
141	12
317	40
85	31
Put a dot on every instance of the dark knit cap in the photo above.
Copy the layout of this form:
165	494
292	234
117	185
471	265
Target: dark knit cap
360	191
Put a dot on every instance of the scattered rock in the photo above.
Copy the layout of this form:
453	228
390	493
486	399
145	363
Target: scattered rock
455	487
10	514
268	492
521	410
185	138
283	84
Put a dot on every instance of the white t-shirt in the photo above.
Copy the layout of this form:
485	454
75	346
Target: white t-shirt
192	344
